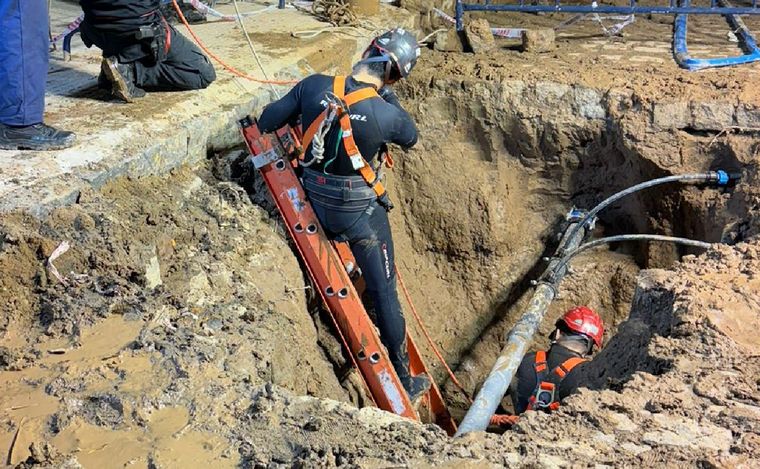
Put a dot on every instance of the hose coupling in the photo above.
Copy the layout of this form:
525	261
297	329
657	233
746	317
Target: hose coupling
723	178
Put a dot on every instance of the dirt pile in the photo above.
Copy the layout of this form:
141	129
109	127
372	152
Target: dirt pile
181	294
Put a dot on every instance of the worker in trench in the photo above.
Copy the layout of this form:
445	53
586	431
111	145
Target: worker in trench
544	378
343	187
141	50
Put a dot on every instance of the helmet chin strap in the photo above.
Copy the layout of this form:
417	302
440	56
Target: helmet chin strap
388	66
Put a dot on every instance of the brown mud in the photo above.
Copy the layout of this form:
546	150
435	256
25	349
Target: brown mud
186	334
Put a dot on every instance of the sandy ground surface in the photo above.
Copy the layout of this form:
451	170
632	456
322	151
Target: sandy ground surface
186	334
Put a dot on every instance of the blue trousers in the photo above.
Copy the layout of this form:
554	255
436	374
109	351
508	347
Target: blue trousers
24	48
356	217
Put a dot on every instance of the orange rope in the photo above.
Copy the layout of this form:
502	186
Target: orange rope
500	420
427	335
229	68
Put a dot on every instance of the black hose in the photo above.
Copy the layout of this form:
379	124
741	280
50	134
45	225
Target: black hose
630	237
719	177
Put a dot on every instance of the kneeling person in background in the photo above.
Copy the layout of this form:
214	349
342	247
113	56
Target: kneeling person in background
141	50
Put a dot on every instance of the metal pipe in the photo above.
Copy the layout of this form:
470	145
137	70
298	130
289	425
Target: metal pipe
459	16
746	41
519	337
719	177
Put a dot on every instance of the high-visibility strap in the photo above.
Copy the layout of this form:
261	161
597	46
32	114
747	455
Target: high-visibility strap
568	365
339	86
360	95
540	364
365	171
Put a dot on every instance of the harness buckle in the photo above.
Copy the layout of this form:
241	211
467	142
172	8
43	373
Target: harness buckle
544	396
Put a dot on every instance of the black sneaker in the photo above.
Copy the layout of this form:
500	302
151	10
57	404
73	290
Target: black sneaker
34	137
416	387
122	78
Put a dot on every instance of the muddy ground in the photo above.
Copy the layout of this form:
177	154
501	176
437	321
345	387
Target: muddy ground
186	333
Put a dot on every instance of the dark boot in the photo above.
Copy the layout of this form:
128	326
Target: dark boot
103	83
34	137
122	78
415	386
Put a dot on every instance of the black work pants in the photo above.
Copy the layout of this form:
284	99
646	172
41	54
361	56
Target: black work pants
182	67
364	224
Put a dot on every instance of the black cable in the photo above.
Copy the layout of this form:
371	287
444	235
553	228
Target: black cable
629	237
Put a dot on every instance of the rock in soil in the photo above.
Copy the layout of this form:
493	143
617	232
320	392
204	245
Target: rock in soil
538	40
479	36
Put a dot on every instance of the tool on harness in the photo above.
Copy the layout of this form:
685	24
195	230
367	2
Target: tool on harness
339	103
545	396
156	38
334	106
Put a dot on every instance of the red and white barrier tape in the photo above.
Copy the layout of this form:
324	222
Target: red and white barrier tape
207	10
71	27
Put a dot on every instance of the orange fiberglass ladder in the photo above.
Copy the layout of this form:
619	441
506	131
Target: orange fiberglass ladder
329	264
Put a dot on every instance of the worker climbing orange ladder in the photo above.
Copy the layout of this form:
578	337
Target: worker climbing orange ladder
328	265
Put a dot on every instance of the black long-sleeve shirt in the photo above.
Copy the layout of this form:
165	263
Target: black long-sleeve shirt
524	385
120	15
374	122
112	25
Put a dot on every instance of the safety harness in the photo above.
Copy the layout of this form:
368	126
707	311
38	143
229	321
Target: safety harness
543	397
339	105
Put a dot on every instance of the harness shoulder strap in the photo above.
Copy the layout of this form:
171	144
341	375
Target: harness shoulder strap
567	366
360	95
339	86
540	364
308	136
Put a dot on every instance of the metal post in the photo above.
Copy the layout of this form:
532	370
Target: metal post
518	339
459	15
281	4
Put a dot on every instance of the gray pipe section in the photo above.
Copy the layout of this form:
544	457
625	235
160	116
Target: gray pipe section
494	388
519	338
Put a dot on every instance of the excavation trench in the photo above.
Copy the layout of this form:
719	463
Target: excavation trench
184	297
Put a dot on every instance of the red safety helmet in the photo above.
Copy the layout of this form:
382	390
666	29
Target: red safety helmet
584	320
